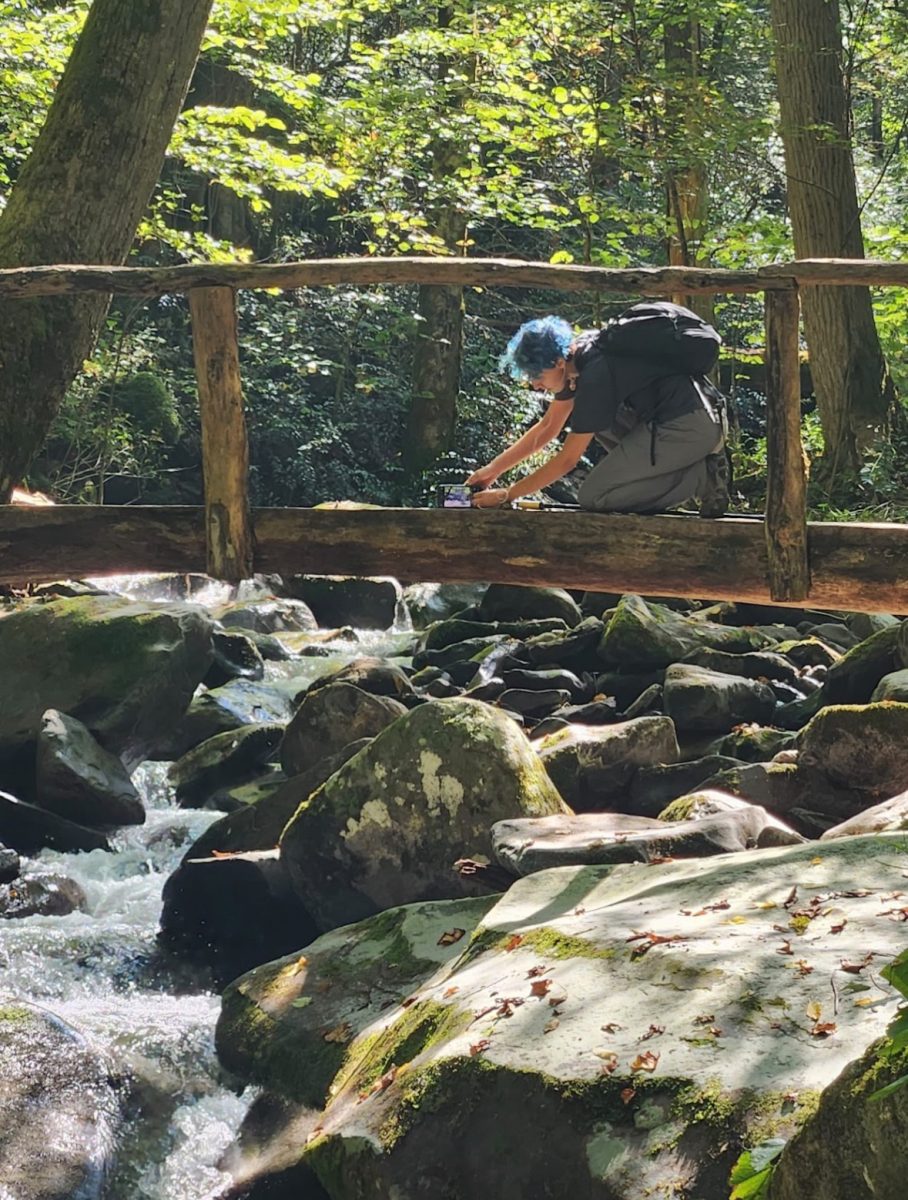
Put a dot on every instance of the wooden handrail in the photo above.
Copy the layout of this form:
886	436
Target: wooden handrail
217	357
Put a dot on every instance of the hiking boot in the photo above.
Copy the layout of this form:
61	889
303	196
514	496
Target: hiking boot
714	497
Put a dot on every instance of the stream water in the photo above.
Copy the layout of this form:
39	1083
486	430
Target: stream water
100	970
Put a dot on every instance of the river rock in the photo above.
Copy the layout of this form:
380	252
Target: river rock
592	766
259	826
706	803
80	780
331	717
371	674
227	758
59	1114
803	796
854	1146
587	839
286	1026
386	828
127	670
235	657
853	678
27	828
699	700
861	747
626	1045
446	633
573	649
9	864
835	633
639	635
507	602
893	686
886	817
428	602
652	788
809	652
40	895
232	912
762	664
363	602
267	616
864	625
205	717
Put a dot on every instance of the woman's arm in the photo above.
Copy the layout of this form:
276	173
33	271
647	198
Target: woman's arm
546	428
559	464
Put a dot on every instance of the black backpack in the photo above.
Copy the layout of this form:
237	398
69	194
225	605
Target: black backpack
660	332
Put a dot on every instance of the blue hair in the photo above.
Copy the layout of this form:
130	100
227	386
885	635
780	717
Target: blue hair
536	346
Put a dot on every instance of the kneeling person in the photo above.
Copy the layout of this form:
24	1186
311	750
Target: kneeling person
661	429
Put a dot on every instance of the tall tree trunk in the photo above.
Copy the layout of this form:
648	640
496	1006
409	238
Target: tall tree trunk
439	334
686	181
81	195
853	388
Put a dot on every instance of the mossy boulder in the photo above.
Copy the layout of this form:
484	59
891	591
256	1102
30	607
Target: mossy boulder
802	795
852	1147
508	602
853	678
329	719
642	636
446	633
125	670
699	700
386	828
762	664
80	780
652	788
227	758
59	1113
600	1042
592	766
893	686
863	747
374	675
755	743
287	1026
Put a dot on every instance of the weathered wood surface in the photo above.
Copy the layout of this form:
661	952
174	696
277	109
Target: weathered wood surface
786	480
225	446
450	272
67	280
853	566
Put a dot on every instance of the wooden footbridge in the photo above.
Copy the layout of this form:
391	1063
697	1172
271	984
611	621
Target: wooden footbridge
782	559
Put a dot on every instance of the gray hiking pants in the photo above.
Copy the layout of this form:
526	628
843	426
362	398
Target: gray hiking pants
626	480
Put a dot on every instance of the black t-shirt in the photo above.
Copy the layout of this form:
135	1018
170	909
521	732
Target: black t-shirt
604	382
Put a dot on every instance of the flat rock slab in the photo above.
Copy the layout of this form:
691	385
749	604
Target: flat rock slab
625	1030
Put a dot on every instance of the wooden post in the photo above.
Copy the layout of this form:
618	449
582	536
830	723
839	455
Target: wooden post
786	481
225	448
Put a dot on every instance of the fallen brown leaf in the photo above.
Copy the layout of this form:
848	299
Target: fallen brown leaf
785	948
452	936
609	1063
611	1027
792	896
653	1031
513	942
647	1061
823	1029
451	990
627	1094
551	1025
839	927
540	987
339	1034
479	1047
534	971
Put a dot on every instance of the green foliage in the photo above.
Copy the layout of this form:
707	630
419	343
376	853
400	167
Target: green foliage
751	1174
896	973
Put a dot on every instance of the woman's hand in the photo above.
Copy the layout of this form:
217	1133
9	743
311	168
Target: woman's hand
491	498
483	477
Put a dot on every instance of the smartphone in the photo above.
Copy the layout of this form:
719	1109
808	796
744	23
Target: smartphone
453	495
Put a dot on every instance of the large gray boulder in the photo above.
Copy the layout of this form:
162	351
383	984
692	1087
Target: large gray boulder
225	759
331	717
27	828
863	747
641	636
592	765
853	678
364	603
126	670
387	827
699	700
59	1114
79	779
286	1026
627	1030
510	602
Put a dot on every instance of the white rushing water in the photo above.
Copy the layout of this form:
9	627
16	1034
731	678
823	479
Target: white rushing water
98	968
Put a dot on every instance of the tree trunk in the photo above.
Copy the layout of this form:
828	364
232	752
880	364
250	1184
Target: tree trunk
686	183
853	387
439	335
81	195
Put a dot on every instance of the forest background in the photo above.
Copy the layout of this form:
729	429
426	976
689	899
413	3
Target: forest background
614	134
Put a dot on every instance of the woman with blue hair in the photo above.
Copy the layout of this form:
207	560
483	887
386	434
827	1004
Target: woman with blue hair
661	428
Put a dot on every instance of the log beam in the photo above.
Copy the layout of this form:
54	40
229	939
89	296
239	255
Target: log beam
28	282
859	567
225	446
786	480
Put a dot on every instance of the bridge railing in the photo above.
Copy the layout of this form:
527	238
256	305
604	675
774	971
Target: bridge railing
212	297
